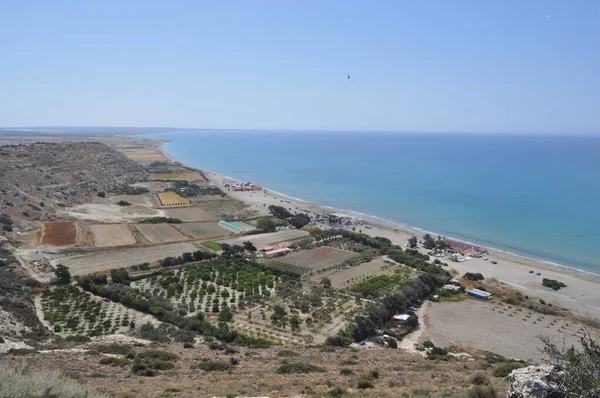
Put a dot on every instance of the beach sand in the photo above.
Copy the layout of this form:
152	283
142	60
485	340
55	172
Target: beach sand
581	296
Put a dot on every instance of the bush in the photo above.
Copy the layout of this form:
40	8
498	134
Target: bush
505	369
188	345
428	344
158	355
299	367
483	392
162	365
346	372
364	384
553	283
480	380
113	361
22	382
477	277
287	354
215	366
336	392
123	203
102	194
374	374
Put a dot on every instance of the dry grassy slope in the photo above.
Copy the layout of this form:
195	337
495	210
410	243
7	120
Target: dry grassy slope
58	172
401	374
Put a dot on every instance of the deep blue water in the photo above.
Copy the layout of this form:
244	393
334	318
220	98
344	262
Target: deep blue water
534	195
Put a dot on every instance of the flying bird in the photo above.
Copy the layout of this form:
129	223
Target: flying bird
348	77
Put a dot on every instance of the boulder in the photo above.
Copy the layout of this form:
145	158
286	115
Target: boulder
535	382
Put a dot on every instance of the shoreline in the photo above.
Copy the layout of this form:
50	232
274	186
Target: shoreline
582	295
419	232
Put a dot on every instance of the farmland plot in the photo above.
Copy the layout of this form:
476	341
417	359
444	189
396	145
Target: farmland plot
112	235
160	233
344	277
262	240
317	258
59	233
178	177
98	262
190	214
203	229
69	311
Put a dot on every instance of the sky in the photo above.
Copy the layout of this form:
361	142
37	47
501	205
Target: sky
462	66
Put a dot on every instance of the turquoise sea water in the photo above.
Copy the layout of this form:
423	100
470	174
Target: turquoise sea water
532	195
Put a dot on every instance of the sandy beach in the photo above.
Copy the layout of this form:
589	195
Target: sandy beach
581	296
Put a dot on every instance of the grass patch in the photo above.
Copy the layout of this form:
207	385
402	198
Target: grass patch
214	246
157	355
483	392
112	361
20	382
299	367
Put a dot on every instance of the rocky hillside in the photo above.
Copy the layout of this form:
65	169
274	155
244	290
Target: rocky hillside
37	179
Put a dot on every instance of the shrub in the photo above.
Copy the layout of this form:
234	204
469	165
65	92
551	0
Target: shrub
123	203
299	367
364	384
215	366
346	372
374	374
480	380
505	369
102	194
336	392
483	392
553	283
158	355
162	365
41	382
188	345
428	344
287	354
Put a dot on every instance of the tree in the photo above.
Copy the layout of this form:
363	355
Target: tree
581	366
249	246
326	282
412	242
266	224
225	315
295	323
428	242
280	212
477	277
299	220
62	274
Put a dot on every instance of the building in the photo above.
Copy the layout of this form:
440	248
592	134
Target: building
399	317
277	252
451	288
479	294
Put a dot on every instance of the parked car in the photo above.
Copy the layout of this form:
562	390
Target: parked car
494	262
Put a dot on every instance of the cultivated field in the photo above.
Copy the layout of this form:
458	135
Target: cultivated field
90	263
160	233
59	233
112	235
191	214
172	199
318	258
203	229
262	240
178	177
110	212
485	326
344	277
69	311
145	156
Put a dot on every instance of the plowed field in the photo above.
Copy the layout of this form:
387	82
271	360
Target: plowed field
59	233
112	235
319	258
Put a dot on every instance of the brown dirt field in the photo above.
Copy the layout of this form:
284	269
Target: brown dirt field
497	327
318	258
340	277
190	214
400	373
146	155
98	262
160	233
203	229
262	240
178	176
59	233
172	199
112	235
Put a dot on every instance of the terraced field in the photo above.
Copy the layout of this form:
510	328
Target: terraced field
160	233
98	262
59	233
317	258
112	235
203	229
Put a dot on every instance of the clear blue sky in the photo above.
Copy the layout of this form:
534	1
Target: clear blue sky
489	66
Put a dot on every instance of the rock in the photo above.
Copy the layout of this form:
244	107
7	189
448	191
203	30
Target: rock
535	382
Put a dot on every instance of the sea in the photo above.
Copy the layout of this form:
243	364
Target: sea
535	196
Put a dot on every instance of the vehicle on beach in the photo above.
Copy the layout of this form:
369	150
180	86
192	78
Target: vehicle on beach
494	262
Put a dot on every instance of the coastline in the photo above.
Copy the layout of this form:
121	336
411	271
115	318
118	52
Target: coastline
512	269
